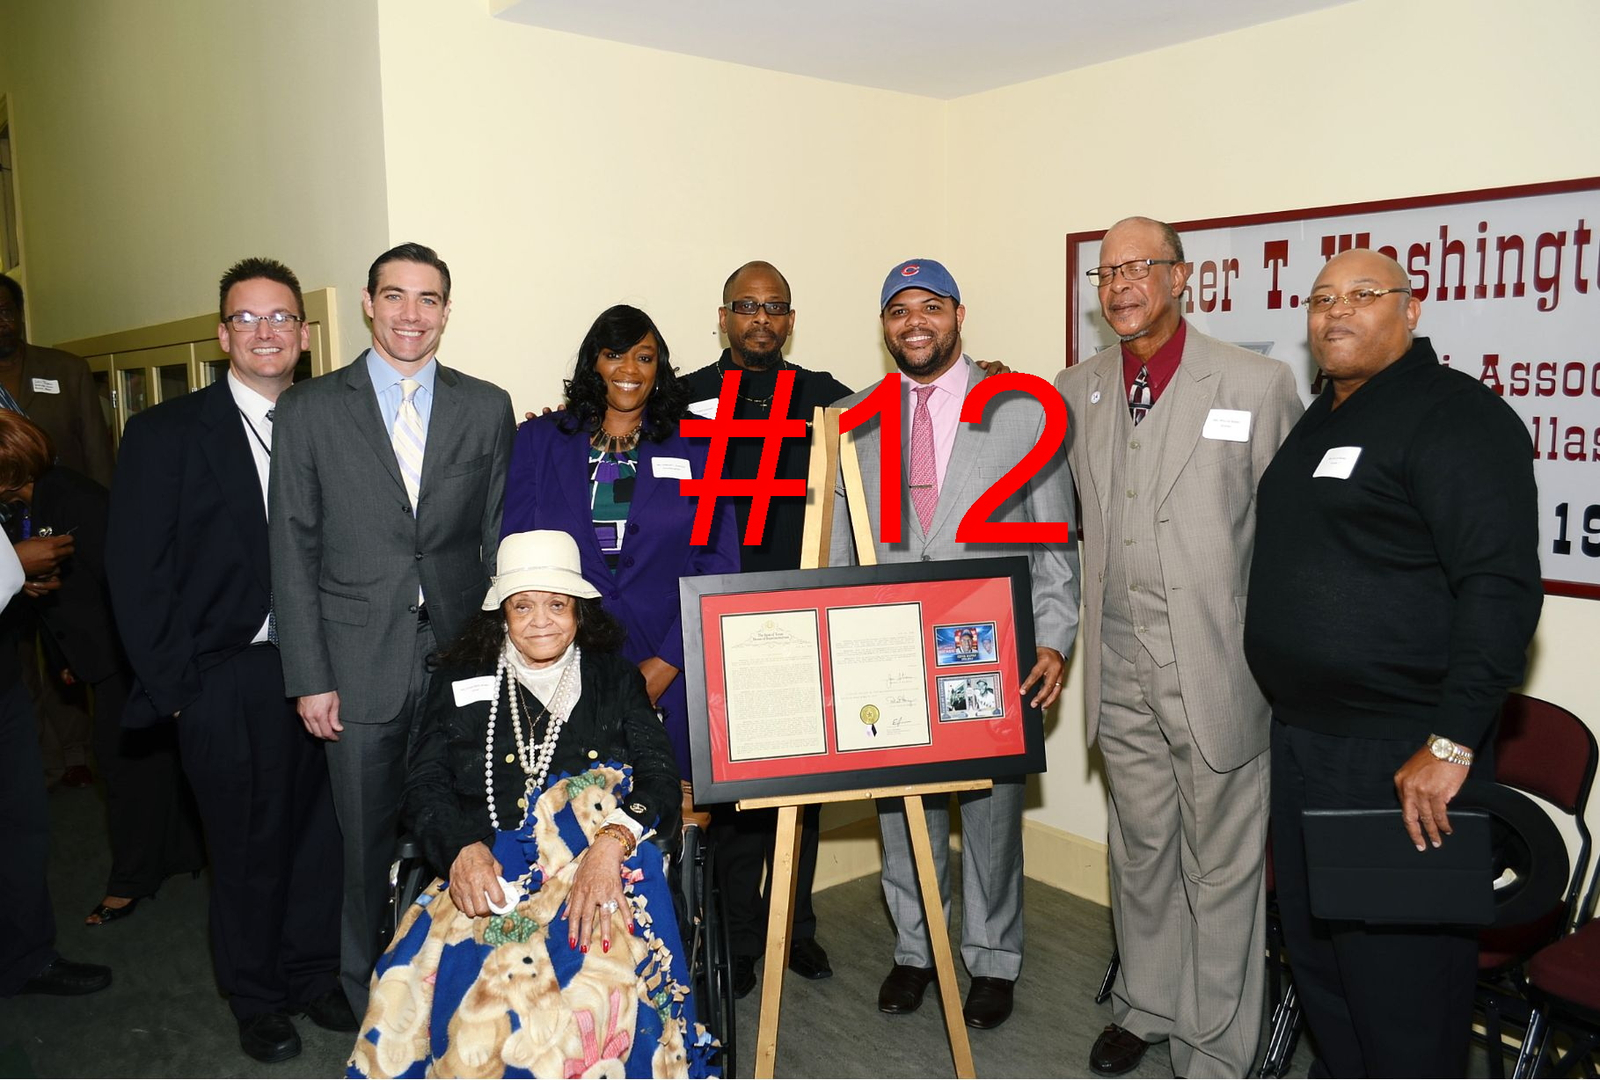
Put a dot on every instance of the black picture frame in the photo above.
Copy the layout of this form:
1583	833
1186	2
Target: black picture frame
833	771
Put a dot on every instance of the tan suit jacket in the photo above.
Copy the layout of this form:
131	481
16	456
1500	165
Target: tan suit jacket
1205	524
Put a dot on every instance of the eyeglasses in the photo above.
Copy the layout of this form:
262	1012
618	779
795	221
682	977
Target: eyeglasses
1322	303
1132	270
774	308
278	320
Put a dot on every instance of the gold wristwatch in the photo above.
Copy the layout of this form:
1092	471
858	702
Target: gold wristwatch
1446	750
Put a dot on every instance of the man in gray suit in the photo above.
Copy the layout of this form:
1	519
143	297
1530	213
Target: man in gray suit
386	494
948	465
1170	430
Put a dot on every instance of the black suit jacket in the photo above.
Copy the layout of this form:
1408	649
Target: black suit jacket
187	548
77	616
445	802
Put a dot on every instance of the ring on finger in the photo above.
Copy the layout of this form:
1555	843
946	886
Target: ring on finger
609	906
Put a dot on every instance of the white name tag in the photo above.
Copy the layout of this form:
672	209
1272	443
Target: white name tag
706	408
1229	425
46	386
674	468
469	690
1338	462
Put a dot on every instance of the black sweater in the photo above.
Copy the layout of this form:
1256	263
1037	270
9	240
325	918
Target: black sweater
780	544
612	721
1399	602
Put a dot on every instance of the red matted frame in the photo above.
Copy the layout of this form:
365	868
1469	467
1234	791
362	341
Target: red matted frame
1552	586
948	593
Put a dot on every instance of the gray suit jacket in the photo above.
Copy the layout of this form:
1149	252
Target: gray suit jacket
1205	524
982	454
347	554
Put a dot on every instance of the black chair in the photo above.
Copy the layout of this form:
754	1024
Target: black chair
1564	982
1544	751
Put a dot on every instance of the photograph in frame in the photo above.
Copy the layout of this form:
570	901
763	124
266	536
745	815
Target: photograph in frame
762	649
964	643
970	697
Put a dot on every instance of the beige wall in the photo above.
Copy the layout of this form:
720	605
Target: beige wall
157	141
1436	96
559	175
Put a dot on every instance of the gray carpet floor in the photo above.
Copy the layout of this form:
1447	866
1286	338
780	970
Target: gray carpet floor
163	1015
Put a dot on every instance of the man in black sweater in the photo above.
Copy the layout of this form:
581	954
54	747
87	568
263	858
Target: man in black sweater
1393	595
757	318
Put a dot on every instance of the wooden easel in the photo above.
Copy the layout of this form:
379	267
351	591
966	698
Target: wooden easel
828	456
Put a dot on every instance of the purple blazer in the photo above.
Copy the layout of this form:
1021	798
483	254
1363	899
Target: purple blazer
547	487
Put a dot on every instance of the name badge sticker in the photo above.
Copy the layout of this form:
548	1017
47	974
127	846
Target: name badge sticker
469	690
1228	425
1338	463
674	468
706	408
46	386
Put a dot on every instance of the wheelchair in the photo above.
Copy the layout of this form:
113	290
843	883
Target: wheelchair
702	924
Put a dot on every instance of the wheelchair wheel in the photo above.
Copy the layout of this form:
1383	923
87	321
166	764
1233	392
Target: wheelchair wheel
705	940
718	993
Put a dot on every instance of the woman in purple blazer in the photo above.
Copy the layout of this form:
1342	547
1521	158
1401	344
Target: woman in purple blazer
606	470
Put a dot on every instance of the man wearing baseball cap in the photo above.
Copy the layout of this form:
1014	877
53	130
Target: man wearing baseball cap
949	465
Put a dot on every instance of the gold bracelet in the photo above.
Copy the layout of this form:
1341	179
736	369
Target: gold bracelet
621	834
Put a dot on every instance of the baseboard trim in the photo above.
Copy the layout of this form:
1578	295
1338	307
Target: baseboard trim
1064	860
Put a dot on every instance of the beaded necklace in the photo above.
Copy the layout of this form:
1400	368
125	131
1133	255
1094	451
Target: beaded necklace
535	758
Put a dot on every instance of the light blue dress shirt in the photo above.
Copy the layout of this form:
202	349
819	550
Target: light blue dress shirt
386	384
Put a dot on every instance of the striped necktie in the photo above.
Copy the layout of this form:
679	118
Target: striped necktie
409	438
924	472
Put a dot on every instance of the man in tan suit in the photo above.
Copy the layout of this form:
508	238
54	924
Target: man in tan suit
1170	430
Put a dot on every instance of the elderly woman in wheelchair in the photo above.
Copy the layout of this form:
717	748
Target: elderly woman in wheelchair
539	776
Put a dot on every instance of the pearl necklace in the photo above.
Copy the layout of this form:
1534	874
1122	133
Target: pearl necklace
535	758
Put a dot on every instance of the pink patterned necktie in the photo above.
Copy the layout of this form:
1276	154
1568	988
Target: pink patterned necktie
924	477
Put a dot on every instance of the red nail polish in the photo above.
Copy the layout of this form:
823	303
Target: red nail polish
585	948
572	943
605	946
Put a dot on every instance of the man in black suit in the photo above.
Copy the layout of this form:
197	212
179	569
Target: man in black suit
386	500
192	590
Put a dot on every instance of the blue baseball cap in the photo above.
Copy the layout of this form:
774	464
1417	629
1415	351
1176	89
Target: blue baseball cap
919	274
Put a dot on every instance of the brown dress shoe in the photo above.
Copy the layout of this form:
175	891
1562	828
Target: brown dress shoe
1116	1051
902	991
988	1002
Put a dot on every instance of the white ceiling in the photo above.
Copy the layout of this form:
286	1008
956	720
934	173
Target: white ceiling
933	48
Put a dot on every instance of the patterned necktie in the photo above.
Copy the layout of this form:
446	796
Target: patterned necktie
408	440
1139	398
924	476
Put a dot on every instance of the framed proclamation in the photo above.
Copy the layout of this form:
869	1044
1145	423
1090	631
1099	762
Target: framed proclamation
806	681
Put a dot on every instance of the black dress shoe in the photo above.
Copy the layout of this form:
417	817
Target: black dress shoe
331	1011
105	913
988	1002
269	1037
807	960
65	978
902	991
1116	1051
744	975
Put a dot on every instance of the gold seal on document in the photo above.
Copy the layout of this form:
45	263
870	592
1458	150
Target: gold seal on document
869	714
